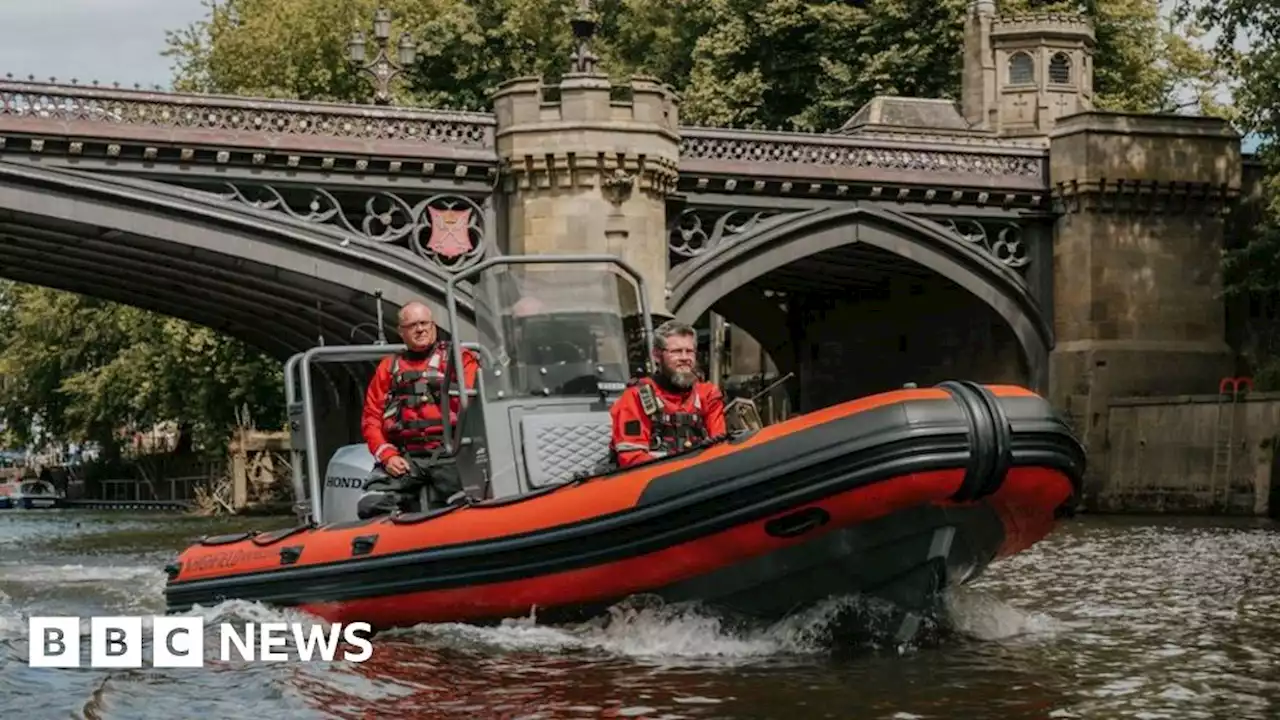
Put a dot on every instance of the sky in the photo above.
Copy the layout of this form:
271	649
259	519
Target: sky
107	40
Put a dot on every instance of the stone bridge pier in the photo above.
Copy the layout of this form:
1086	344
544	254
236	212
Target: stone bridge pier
1138	307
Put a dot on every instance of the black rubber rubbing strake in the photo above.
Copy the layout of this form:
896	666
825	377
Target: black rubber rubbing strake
982	440
1003	438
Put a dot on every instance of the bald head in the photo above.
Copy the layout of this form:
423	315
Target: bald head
415	310
417	326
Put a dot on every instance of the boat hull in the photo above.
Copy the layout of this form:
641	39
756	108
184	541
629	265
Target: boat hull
896	496
905	556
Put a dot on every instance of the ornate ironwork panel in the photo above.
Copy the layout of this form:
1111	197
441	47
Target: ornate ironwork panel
1003	240
447	230
854	156
697	231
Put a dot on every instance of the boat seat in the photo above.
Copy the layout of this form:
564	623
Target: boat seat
558	445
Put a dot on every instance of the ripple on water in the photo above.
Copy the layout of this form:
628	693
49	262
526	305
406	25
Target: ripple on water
1107	618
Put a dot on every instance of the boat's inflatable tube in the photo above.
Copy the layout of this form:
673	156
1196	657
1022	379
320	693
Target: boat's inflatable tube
663	523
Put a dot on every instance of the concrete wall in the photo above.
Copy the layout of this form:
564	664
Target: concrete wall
1160	455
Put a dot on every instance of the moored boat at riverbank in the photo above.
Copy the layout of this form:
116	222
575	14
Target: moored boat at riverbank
32	494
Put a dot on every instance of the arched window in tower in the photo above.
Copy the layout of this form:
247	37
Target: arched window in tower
1022	71
1060	69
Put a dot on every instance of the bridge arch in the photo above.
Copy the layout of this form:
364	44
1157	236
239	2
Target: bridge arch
699	284
277	283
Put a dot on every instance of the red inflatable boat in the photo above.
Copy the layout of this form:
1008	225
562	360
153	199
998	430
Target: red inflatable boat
897	496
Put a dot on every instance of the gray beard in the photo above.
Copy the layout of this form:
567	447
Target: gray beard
682	380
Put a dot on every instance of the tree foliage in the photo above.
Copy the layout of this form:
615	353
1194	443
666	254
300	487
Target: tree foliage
792	64
1248	43
79	369
1248	46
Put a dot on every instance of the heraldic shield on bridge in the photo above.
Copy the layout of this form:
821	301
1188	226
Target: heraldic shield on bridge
451	232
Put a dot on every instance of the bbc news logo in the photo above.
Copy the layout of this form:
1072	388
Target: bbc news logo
179	642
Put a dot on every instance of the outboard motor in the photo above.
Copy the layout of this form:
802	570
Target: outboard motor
344	479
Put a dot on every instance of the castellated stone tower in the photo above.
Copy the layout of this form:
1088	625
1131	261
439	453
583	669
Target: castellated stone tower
1023	72
585	172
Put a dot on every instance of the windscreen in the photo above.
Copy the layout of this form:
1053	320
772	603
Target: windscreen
555	328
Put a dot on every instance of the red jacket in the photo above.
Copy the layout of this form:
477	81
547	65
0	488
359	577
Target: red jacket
700	410
388	432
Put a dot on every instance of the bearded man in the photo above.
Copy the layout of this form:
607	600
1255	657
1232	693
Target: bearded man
671	411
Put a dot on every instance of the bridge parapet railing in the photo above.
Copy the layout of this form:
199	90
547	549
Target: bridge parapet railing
799	159
138	115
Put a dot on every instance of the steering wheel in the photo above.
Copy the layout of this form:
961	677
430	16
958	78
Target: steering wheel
570	352
581	385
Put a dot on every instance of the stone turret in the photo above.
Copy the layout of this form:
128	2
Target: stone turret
587	172
1023	72
978	75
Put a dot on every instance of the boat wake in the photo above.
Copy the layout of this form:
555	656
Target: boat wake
641	628
451	669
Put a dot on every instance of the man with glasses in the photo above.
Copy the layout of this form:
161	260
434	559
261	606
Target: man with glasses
402	421
672	411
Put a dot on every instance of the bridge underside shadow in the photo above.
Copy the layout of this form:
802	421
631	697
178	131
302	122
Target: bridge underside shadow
857	320
278	284
862	300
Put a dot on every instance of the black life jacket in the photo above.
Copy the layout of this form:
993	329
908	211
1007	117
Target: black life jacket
675	427
411	418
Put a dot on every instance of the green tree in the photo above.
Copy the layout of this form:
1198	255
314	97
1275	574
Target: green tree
76	368
794	64
839	56
298	48
1248	44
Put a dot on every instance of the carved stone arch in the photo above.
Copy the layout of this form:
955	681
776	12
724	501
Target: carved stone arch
696	286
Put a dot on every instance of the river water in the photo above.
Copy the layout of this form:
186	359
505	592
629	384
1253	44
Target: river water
1108	618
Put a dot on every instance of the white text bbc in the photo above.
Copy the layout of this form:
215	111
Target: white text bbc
176	642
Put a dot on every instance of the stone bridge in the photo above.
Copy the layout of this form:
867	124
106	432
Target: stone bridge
358	182
1015	235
